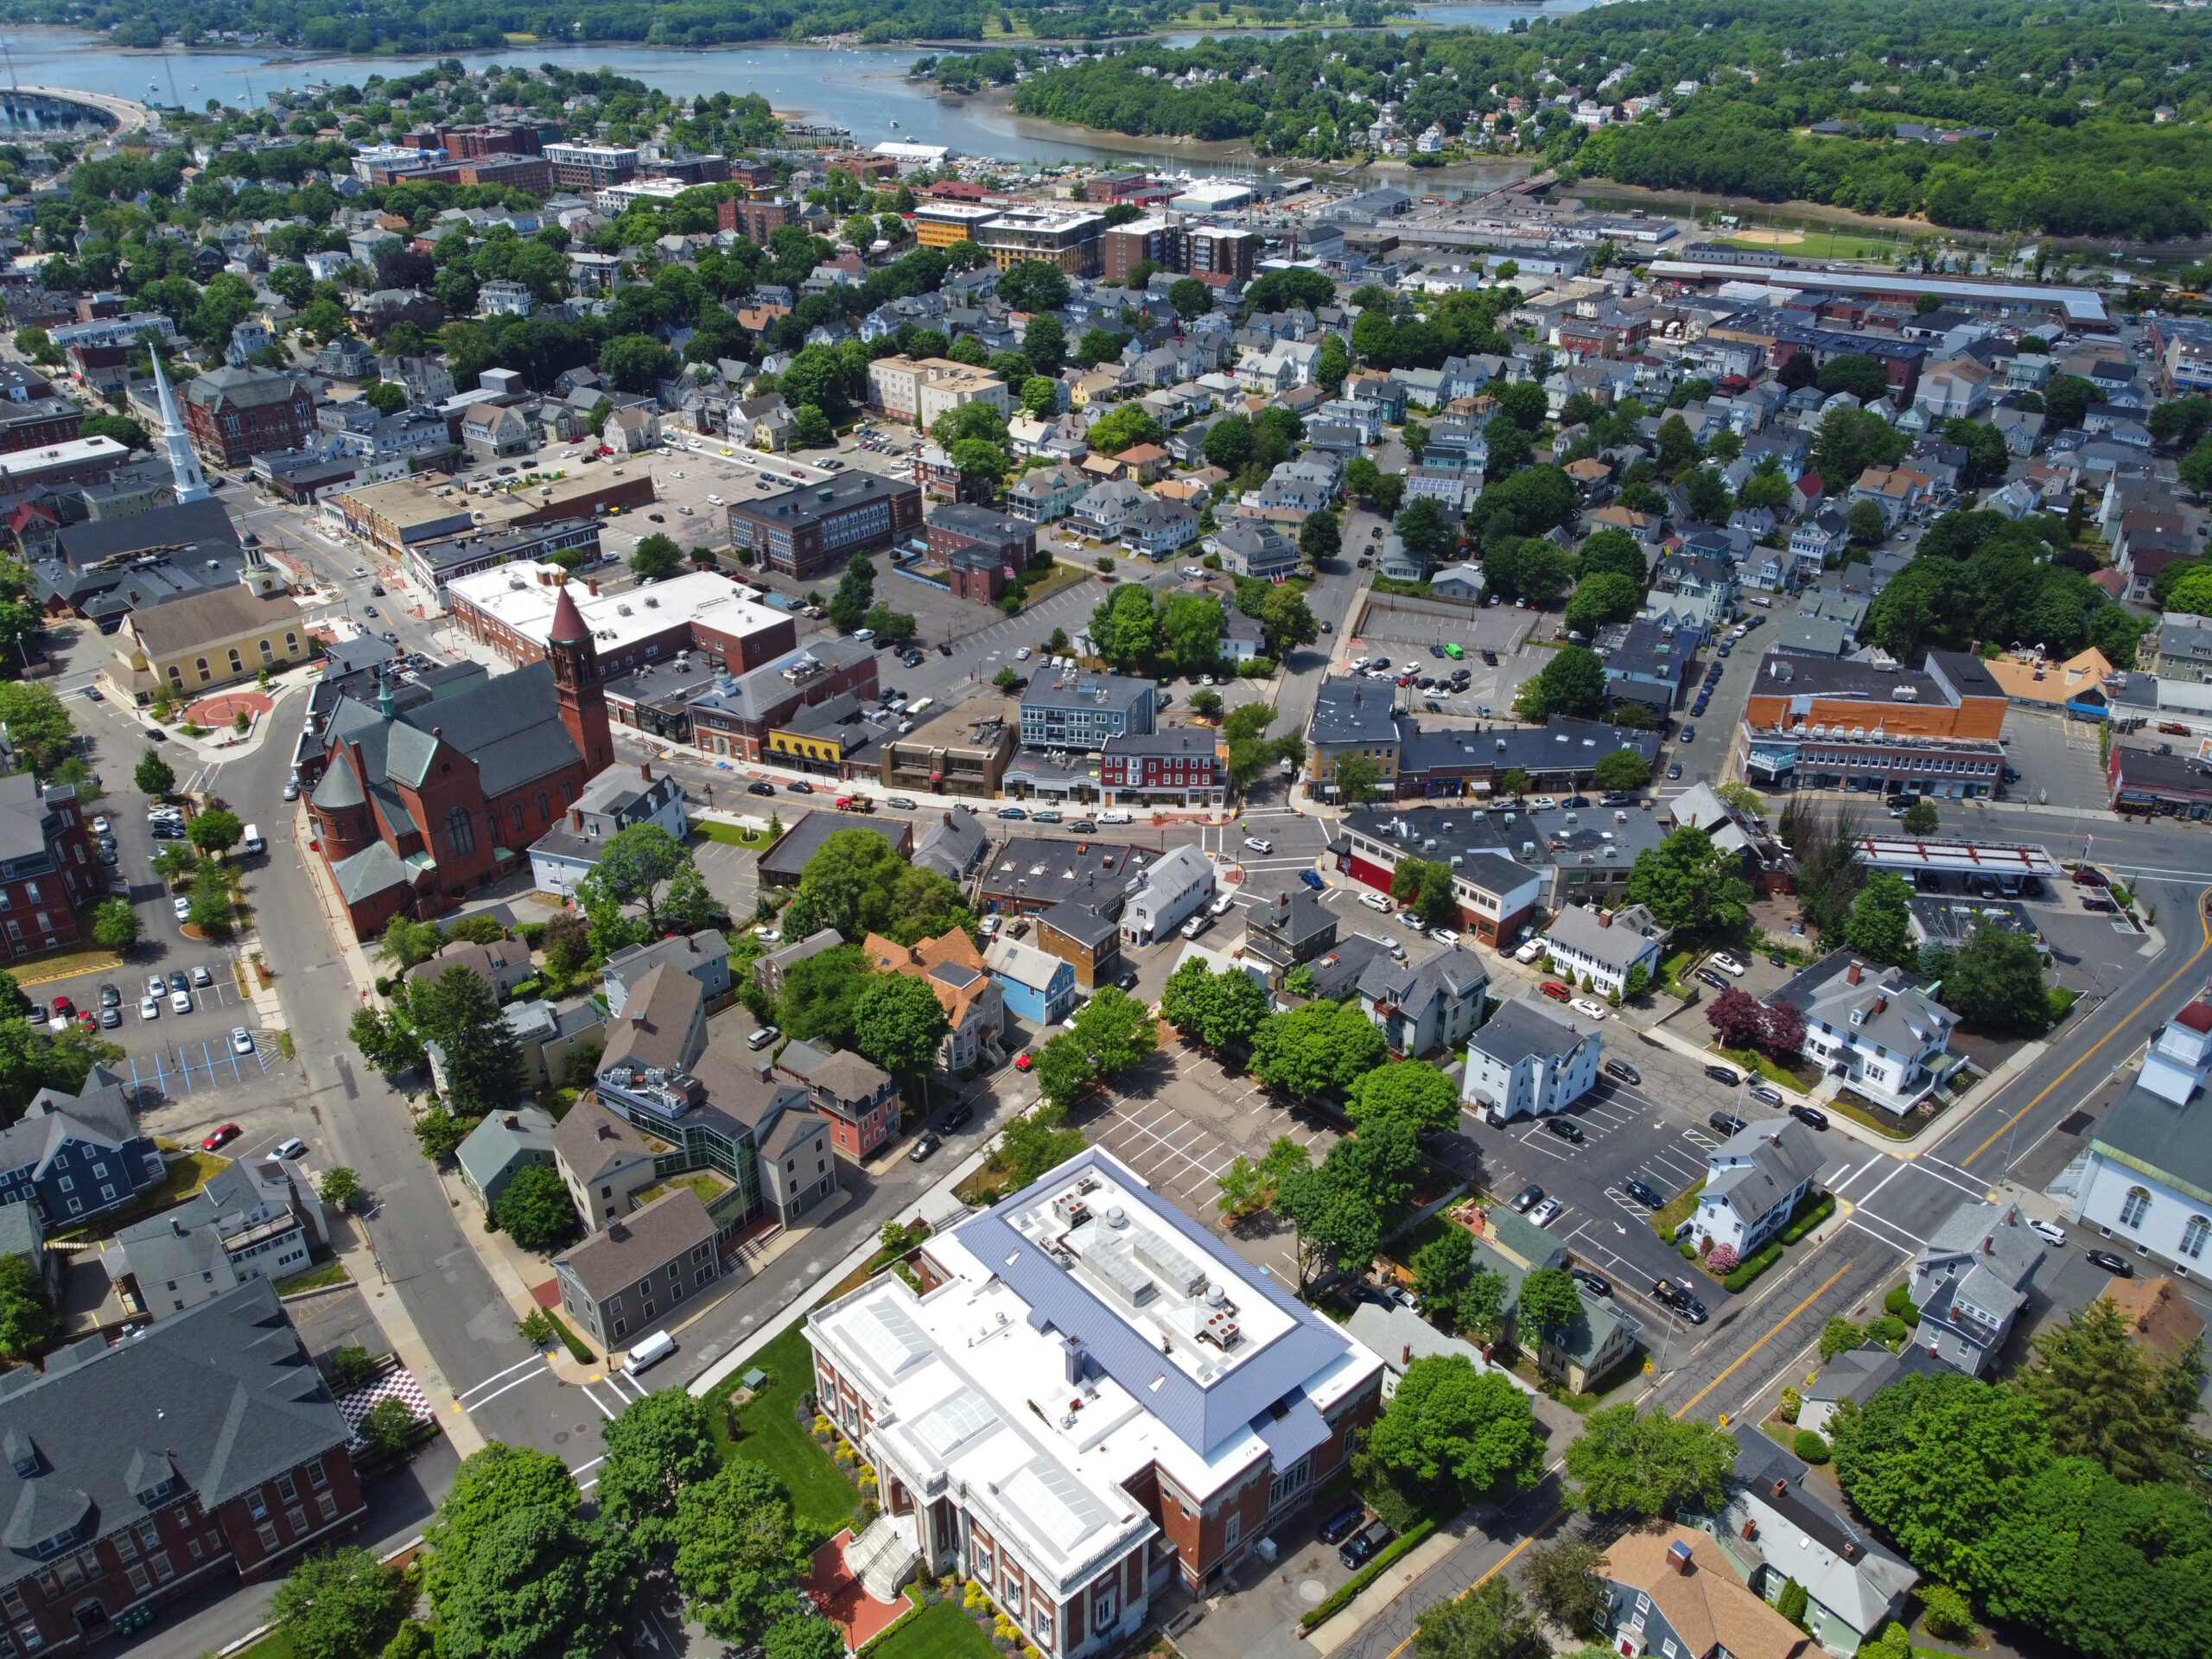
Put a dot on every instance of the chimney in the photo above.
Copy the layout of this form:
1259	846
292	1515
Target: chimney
1880	1002
1752	1528
1605	919
512	1121
645	771
1851	975
1988	1244
638	1022
1852	1549
1405	1350
948	820
1678	1556
691	943
591	586
1781	1489
576	820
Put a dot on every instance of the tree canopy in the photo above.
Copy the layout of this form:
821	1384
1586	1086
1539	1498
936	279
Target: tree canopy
1688	884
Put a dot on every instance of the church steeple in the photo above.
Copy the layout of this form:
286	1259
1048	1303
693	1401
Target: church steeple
575	661
190	484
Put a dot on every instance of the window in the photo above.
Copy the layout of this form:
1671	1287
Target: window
544	807
140	1582
267	1534
237	663
1010	1591
2193	1236
461	831
256	1505
1103	1603
1291	1480
981	1565
13	1601
1233	1531
291	644
1041	1622
2136	1206
327	1504
267	653
296	1519
287	1488
201	664
163	1571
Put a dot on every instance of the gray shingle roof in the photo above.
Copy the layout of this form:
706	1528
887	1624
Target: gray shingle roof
1353	711
510	726
1524	1025
1781	1155
629	1249
222	1393
2151	1133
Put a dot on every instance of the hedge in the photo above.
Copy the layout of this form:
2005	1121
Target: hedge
1753	1266
1367	1575
1808	1217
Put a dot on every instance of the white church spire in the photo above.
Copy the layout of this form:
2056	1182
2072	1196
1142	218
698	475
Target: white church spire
184	466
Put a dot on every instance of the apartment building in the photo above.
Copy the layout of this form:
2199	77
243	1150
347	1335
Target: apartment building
919	390
811	532
1068	240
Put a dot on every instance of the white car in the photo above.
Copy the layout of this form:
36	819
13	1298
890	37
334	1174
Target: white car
1547	1212
1223	906
360	569
1727	964
1587	1010
181	1002
1443	936
149	1009
2050	1232
1021	656
1252	843
1530	951
182	906
1115	816
99	826
1542	803
241	1041
1376	902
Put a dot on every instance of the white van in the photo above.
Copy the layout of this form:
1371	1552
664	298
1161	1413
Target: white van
649	1353
253	842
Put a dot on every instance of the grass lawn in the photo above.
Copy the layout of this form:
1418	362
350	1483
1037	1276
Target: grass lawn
769	1432
1677	1212
67	960
939	1633
278	1645
1041	584
709	1185
731	834
330	1273
186	1175
2062	998
1882	1122
1751	1059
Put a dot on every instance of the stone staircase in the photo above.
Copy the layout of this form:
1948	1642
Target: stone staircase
882	1558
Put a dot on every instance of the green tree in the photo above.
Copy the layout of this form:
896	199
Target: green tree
736	1546
115	924
657	1448
819	995
1573	682
1880	925
38	726
856	593
2105	1397
1849	441
1125	628
210	912
1218	1008
406	943
856	884
437	1131
1690	885
1424	887
1357	776
1113	1030
1190	631
1563	1584
153	775
1621	769
534	1208
803	1635
636	866
214	832
1865	523
27	1322
343	1604
339	1187
1427	530
1489	1622
1033	1144
388	1426
1607	596
1340	1206
1413	1091
657	557
496	1481
1549	1301
1449	1427
1920	817
483	1061
1121	427
1319	537
1840	1336
1627	1463
1862	376
1994	983
389	1042
898	1023
540	1584
1322	1047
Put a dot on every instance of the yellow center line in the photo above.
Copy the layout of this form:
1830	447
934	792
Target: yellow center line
1506	1560
1765	1340
2204	922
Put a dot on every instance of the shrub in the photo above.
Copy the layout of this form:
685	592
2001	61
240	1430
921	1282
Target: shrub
350	1367
1792	1602
1792	1403
1811	1212
1810	1448
1900	1304
1257	668
1721	1262
1753	1267
1945	1613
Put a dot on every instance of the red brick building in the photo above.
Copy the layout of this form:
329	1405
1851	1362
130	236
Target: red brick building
981	549
234	415
419	804
205	1448
46	853
756	221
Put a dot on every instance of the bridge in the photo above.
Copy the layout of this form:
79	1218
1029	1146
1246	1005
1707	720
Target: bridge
61	109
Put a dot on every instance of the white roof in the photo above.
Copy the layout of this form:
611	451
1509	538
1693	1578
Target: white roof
519	596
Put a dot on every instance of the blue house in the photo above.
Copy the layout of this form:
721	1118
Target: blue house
1034	984
75	1156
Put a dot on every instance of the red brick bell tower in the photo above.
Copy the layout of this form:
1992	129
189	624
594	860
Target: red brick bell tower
574	662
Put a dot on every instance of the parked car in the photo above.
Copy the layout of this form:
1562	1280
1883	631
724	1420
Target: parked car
1706	977
2118	1267
1668	1293
1768	1093
220	1138
1811	1116
1725	1122
1312	879
1643	1193
241	1041
2050	1232
1596	1283
925	1143
1547	1212
1557	992
1587	1008
1343	1523
1727	964
1623	1070
1365	1543
1528	1197
1376	902
1566	1128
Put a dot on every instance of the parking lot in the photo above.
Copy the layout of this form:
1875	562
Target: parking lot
2056	759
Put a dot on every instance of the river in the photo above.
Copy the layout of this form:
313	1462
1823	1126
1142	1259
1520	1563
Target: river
864	89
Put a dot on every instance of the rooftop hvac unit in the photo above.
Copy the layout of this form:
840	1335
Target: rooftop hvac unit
1127	1281
1171	1264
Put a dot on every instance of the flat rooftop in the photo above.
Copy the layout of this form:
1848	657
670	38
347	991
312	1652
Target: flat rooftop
522	595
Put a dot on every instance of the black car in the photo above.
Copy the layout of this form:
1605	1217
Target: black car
1082	827
958	1115
1596	1283
1342	1524
1707	975
1726	1122
945	651
2118	1267
1777	959
1575	803
156	735
759	788
1811	1116
1127	979
925	1144
1566	1128
1528	1197
1364	1542
2098	904
1643	1193
1431	705
1623	1070
801	788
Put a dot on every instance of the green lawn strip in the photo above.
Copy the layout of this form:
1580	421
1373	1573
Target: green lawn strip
1759	1065
939	1631
330	1273
185	1177
1882	1122
729	834
768	1431
2063	999
277	1644
1677	1212
1345	1592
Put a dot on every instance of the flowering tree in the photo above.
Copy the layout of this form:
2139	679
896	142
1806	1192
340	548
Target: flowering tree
1720	1261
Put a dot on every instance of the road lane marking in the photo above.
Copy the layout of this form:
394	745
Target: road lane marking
2204	926
1765	1340
1879	1185
534	1359
1867	1224
474	1406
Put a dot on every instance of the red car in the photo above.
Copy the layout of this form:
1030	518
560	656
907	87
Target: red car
89	1020
221	1137
1022	1062
64	1010
1557	992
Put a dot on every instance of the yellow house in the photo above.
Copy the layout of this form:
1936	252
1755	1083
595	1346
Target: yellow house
817	738
194	646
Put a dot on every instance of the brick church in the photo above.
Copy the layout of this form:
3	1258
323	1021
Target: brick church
423	798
